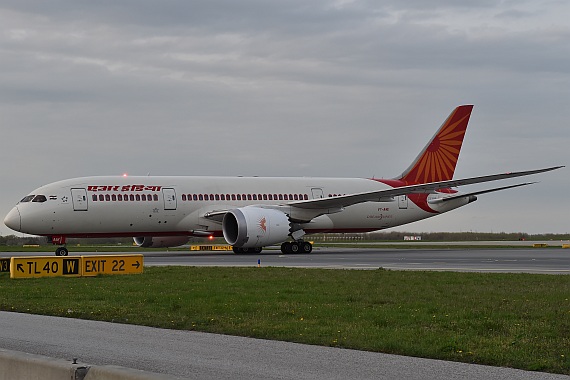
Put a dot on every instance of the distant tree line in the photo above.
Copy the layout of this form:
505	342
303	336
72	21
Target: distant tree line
13	240
443	236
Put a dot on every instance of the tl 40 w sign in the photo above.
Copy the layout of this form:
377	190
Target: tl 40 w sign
44	266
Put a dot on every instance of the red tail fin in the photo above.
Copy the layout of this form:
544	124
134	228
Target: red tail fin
437	160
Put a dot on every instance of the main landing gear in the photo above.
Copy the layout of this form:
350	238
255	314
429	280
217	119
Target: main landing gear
297	247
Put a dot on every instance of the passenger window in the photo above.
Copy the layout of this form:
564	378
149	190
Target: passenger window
94	197
120	197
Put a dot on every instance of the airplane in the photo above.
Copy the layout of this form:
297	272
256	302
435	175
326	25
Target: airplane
253	212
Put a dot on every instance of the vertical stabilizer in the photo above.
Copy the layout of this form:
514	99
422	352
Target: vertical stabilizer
436	162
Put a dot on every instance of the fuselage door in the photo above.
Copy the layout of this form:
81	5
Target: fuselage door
169	199
317	193
79	199
403	201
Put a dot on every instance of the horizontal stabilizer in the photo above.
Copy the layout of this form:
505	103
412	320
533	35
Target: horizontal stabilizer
463	195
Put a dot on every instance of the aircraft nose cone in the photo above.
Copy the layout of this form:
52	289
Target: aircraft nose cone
13	220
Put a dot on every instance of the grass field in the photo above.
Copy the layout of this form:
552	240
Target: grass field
514	320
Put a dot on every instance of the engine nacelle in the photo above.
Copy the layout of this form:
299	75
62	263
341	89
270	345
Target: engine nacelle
161	241
251	227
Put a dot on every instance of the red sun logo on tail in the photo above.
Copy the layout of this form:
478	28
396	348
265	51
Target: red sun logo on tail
437	161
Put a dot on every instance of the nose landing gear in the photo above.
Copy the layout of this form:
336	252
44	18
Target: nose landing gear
61	251
59	240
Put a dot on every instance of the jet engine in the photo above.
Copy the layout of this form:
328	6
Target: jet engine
160	242
252	227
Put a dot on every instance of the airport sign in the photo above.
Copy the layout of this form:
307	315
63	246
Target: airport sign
107	264
44	266
4	264
48	266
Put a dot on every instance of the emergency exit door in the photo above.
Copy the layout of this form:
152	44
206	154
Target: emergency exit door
169	199
79	199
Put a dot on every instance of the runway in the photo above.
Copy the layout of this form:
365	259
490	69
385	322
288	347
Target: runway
518	260
195	355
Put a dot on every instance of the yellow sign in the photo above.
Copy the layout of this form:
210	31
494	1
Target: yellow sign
44	266
47	266
211	248
107	264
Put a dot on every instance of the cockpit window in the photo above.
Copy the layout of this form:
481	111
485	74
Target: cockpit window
39	198
27	198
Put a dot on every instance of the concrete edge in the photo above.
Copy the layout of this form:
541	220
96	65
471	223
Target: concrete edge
21	365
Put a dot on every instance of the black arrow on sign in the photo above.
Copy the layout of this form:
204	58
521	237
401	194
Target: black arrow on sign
20	268
137	265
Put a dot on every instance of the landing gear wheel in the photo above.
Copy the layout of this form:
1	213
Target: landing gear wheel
295	247
61	251
286	247
306	247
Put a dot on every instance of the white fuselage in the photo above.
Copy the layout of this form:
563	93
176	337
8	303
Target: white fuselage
178	206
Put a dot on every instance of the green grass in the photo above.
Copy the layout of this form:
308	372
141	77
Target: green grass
513	320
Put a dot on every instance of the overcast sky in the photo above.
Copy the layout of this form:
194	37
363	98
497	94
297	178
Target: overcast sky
289	88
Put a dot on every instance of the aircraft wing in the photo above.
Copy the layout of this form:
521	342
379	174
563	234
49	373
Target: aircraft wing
388	194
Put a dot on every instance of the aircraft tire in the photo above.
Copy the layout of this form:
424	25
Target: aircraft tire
306	247
61	251
286	247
